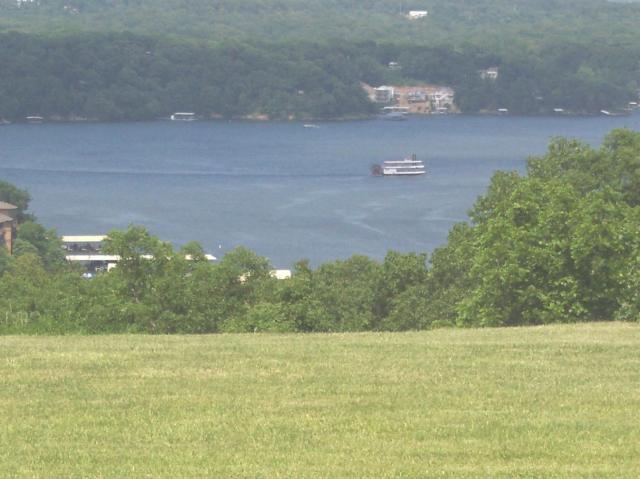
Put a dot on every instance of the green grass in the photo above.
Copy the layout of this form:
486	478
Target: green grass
557	401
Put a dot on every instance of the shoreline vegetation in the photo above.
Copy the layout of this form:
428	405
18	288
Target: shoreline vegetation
260	118
251	117
559	244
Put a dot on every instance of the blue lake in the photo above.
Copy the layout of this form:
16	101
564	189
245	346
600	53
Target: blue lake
284	191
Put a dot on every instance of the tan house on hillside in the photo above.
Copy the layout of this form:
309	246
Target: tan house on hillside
415	99
8	225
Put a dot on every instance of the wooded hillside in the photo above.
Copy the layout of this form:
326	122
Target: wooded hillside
379	20
116	76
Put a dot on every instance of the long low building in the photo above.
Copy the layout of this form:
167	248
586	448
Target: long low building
87	250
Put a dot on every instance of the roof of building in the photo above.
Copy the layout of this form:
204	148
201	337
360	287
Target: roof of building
83	239
92	257
5	219
116	258
7	206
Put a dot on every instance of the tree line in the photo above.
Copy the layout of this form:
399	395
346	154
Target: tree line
502	23
124	76
130	77
558	244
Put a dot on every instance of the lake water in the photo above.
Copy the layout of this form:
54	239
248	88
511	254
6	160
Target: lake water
282	190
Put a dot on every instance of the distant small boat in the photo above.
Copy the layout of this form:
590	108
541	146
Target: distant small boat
34	119
395	113
311	125
395	116
616	113
183	116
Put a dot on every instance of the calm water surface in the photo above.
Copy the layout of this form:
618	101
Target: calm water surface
285	191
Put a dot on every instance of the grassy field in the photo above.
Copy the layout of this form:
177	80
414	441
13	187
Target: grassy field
558	401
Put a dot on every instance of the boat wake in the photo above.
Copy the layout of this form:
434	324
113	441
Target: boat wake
174	173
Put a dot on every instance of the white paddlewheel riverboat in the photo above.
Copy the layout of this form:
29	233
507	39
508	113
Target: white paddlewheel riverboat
407	167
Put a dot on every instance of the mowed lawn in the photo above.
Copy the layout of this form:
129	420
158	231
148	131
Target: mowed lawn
553	401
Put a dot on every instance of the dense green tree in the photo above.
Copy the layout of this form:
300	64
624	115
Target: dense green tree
4	260
140	257
347	292
47	244
35	300
400	272
12	194
554	245
448	283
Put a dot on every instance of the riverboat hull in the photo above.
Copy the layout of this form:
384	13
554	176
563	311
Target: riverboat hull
393	172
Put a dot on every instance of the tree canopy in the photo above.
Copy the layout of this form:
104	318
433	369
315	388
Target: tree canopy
118	76
493	22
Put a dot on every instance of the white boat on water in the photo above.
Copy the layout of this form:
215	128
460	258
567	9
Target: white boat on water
183	116
395	116
405	167
395	113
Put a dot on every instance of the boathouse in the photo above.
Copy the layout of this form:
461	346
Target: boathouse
8	225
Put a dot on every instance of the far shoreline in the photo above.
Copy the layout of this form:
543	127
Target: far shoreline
354	118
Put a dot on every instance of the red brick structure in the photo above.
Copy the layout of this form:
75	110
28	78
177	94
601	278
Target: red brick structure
8	224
